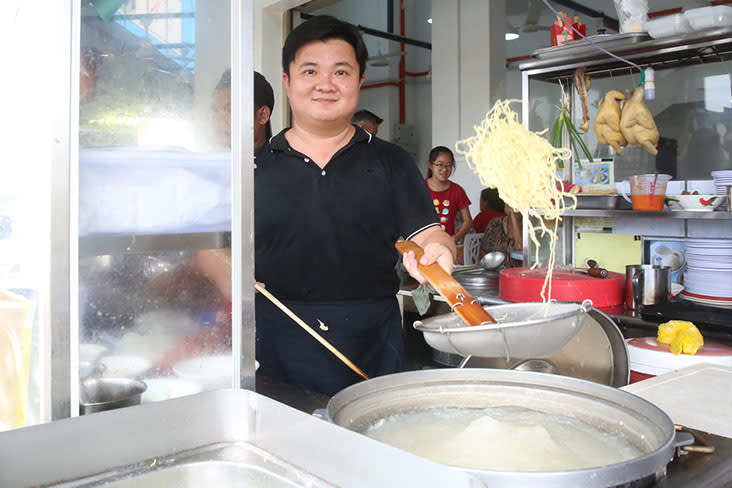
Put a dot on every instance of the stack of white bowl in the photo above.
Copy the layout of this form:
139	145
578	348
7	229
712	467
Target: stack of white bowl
708	276
722	179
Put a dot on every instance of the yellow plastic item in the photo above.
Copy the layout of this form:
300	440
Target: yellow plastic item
16	316
682	336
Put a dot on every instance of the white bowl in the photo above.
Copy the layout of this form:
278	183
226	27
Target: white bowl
702	203
159	389
124	366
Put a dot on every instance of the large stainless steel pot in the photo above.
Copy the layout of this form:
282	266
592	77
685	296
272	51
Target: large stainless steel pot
644	424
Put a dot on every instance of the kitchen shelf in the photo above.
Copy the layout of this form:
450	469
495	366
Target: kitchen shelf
551	66
102	244
666	214
709	46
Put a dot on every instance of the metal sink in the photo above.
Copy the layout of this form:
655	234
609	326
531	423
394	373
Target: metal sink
234	465
226	438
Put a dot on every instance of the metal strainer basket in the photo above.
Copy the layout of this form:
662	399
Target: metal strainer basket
524	330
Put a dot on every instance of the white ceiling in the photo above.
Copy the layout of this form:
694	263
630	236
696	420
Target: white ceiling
418	11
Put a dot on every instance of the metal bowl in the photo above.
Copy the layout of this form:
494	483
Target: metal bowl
614	411
596	201
99	394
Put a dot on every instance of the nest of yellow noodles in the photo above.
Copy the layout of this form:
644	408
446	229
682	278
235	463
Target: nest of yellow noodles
521	165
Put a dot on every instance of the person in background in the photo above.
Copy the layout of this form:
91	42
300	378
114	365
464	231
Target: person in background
491	206
330	203
221	109
504	234
448	198
263	106
368	121
88	81
213	266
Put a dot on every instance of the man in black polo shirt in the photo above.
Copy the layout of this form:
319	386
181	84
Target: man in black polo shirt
330	202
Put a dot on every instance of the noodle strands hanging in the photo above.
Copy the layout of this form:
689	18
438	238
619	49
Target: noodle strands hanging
521	165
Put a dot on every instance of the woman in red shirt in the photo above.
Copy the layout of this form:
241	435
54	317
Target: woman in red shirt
449	198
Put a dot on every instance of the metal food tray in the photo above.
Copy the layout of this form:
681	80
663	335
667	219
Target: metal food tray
596	201
230	437
524	330
582	46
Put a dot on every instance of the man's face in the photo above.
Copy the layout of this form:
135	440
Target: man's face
221	108
323	83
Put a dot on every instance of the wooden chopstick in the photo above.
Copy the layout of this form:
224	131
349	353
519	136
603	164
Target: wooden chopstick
310	331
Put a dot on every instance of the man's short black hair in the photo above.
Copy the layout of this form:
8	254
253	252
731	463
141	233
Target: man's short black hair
263	97
366	116
324	28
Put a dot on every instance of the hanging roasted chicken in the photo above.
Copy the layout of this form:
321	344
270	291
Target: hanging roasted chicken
607	121
636	122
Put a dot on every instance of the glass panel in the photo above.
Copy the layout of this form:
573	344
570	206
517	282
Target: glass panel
545	248
154	186
543	112
693	113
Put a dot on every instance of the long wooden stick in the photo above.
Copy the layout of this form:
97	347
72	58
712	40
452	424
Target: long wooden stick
310	331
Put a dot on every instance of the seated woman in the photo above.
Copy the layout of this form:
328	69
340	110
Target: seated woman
491	206
504	234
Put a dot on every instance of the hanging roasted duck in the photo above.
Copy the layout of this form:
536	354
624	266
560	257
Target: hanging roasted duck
607	121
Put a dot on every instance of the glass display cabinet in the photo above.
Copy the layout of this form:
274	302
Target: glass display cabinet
139	265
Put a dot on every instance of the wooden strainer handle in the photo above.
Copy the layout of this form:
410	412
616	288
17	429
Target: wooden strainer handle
460	301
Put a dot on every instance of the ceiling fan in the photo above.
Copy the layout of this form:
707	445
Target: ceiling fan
533	14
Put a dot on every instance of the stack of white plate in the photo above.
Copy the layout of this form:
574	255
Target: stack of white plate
722	178
708	276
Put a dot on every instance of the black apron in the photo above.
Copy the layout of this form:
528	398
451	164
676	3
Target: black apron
367	331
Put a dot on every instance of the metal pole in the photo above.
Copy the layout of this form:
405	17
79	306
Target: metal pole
242	193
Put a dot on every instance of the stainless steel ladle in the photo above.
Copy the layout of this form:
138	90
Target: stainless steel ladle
489	262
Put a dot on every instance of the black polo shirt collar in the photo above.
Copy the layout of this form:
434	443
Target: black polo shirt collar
279	142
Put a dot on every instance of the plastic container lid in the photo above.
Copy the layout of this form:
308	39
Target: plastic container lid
668	25
648	356
708	17
525	284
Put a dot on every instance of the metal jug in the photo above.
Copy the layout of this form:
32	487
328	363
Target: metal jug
646	284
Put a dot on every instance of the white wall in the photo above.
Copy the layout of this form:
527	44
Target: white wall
468	45
270	31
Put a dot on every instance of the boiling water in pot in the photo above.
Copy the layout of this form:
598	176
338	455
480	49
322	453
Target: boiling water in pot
502	439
